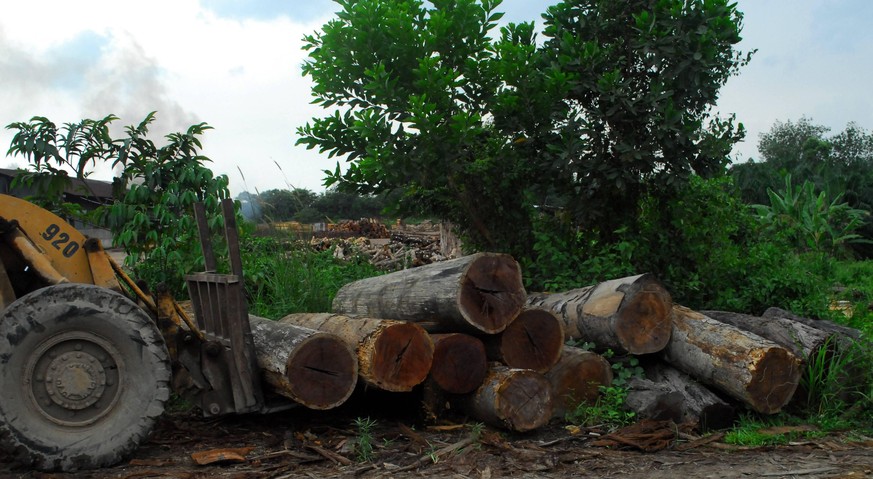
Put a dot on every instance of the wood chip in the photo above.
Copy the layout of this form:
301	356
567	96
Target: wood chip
213	456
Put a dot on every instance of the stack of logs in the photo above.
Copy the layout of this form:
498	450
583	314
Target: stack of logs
466	333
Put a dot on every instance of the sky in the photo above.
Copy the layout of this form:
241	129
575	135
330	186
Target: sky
236	65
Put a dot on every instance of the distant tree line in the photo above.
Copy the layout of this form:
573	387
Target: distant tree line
306	206
838	167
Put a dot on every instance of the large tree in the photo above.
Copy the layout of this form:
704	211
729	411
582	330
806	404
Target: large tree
485	131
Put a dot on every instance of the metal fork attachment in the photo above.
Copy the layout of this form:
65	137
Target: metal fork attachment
228	357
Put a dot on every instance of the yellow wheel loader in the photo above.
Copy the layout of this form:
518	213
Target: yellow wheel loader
88	359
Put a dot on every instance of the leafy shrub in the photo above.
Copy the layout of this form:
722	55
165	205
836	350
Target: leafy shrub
810	221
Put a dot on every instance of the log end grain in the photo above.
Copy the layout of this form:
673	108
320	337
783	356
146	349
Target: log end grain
322	372
775	376
514	399
399	357
492	293
577	378
643	322
459	363
533	341
523	400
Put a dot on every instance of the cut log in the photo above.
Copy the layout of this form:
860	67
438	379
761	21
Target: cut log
533	341
577	378
743	365
392	355
477	293
651	400
627	315
316	369
667	393
459	362
802	340
846	336
514	399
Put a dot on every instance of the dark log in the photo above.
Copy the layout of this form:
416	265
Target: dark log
479	293
392	355
743	365
802	340
533	341
627	315
316	369
577	378
846	336
667	393
459	362
650	400
514	399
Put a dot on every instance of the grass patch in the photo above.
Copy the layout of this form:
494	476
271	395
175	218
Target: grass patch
284	276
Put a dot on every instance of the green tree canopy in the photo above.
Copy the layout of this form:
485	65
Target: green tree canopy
486	131
282	205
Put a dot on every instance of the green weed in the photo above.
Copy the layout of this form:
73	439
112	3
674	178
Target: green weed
364	438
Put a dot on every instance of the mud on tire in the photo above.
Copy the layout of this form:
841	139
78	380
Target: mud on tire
84	374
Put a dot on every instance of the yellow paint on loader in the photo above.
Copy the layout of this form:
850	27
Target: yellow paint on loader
62	245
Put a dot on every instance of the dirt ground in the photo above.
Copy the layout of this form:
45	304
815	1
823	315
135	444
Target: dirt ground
306	444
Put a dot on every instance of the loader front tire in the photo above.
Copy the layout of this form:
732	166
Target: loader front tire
84	374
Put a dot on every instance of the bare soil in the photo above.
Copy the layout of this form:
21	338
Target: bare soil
307	444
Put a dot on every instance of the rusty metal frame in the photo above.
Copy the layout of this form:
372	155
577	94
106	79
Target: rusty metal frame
228	357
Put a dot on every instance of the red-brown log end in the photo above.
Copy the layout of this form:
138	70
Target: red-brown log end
577	378
644	321
775	377
492	293
402	357
524	400
459	362
322	372
533	341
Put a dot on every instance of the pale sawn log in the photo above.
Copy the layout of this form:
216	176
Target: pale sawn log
459	362
480	293
316	369
533	341
392	355
514	399
576	379
627	315
802	340
743	365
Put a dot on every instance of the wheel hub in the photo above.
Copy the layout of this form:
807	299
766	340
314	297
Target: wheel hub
72	378
75	380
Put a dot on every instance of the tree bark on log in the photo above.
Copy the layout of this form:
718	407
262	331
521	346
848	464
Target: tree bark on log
480	293
749	368
667	393
316	369
577	378
392	355
628	315
533	341
802	340
459	362
846	336
514	399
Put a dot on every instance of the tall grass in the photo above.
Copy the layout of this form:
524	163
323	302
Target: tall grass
285	276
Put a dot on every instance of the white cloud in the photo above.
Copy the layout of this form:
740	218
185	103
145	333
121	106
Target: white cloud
241	77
